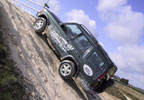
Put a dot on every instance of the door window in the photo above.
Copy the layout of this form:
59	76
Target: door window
76	35
73	30
95	61
83	43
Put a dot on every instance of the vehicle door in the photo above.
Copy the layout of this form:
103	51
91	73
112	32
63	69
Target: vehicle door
91	62
78	39
58	39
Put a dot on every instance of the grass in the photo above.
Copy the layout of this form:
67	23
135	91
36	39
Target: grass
11	87
137	89
114	91
131	96
6	77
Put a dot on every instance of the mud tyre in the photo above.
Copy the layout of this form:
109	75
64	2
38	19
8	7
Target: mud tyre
39	25
67	69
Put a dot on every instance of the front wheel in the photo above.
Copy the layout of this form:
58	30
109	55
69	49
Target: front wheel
39	25
67	69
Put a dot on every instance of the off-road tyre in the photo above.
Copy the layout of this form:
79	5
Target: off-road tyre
67	69
40	25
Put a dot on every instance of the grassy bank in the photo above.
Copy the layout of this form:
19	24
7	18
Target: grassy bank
10	85
120	91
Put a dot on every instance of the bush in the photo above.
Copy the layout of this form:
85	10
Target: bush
124	81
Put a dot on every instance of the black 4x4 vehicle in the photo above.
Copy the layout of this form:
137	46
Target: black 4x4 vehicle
79	51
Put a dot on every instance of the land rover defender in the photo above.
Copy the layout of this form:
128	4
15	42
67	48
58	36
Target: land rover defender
79	51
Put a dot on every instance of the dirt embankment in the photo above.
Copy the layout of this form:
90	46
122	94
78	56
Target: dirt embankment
33	57
36	60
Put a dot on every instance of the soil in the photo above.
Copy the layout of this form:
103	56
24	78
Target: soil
36	61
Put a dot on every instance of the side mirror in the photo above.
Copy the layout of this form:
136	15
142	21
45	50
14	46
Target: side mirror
46	5
63	27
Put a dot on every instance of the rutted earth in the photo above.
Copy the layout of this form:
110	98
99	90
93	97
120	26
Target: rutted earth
36	60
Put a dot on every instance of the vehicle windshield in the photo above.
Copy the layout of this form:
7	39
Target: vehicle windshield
73	29
87	31
95	61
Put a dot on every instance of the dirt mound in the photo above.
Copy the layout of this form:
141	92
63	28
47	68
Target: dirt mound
35	59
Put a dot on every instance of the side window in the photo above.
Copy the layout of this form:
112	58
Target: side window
73	30
95	61
83	43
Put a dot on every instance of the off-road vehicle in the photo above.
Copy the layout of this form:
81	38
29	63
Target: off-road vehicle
79	51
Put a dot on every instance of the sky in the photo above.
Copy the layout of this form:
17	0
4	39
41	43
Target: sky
117	24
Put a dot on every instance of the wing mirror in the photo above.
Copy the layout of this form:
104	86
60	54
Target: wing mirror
46	5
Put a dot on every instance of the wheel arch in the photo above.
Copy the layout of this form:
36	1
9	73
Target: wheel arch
71	58
44	16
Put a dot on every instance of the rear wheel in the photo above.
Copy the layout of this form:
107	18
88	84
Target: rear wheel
39	25
67	69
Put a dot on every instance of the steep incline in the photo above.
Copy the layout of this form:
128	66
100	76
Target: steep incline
35	59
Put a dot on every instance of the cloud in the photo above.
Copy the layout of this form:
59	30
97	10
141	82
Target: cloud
55	6
129	57
79	16
105	5
130	61
125	26
122	24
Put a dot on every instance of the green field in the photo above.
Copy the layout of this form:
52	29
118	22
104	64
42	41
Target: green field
120	91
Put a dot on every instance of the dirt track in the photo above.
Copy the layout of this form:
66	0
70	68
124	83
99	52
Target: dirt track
36	60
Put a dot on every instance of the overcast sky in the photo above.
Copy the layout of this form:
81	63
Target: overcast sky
118	26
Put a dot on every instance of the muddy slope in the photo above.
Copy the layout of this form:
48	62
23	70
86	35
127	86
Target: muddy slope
36	60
